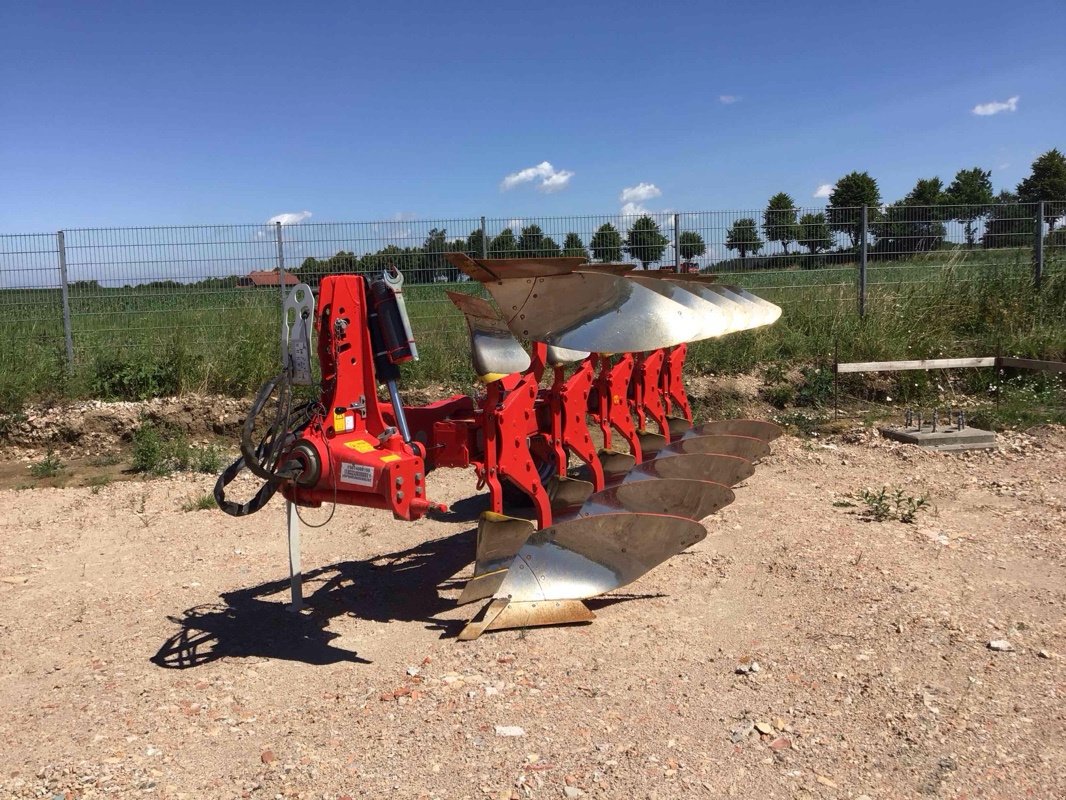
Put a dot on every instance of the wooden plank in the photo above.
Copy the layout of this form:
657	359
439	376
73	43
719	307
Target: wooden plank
925	363
1032	363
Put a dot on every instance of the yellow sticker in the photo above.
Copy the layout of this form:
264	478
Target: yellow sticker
360	445
390	457
338	422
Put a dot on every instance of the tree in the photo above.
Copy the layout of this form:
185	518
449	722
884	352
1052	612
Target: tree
913	224
530	241
606	244
779	220
343	261
844	214
691	245
433	262
1047	181
475	243
1010	224
814	233
645	241
504	245
970	194
573	247
311	271
549	248
743	237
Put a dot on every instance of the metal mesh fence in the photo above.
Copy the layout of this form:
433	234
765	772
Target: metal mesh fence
220	286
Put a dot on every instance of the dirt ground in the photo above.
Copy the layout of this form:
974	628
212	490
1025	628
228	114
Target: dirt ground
145	650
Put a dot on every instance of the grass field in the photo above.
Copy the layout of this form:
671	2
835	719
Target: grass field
138	342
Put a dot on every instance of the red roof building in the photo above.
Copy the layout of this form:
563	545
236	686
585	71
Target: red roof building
266	277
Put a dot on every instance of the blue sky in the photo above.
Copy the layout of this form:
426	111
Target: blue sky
115	114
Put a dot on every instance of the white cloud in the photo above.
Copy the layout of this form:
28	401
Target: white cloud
633	210
551	179
824	190
290	218
639	193
728	99
995	107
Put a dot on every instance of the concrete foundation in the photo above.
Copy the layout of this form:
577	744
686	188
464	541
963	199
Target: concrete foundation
945	439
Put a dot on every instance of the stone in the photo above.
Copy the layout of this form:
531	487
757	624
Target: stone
267	756
1001	646
764	728
510	730
572	792
741	731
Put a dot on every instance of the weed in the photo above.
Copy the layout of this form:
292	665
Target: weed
105	460
779	396
98	482
882	504
774	374
816	387
158	450
48	467
204	502
148	451
208	459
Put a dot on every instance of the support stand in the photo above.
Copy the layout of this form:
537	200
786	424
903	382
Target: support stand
295	576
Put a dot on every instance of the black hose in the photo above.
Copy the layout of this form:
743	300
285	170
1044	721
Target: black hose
262	459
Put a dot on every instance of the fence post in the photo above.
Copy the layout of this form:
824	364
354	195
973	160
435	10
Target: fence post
863	225
281	291
1038	247
68	334
484	240
677	242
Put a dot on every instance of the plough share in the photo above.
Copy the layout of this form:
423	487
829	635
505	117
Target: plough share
589	427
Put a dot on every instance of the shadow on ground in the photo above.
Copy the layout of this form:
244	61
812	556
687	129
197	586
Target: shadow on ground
254	622
401	586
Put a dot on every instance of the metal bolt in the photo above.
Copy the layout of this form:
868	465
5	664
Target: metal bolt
399	495
418	477
399	481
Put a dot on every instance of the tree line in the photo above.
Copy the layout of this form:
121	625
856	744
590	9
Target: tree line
913	224
644	241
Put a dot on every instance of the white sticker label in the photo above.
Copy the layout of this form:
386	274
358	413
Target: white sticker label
359	474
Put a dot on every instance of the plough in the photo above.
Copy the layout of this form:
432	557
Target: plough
585	442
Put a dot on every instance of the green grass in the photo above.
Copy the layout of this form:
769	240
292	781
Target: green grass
204	502
159	450
48	467
139	343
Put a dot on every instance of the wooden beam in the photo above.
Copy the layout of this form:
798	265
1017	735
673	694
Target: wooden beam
1032	363
925	363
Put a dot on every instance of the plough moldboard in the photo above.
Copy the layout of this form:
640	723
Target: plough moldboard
572	514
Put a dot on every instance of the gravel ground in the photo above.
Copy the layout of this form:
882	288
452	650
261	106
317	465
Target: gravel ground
798	651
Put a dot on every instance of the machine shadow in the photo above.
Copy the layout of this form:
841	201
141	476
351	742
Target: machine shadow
399	586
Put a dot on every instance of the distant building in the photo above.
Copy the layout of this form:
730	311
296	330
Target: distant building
268	277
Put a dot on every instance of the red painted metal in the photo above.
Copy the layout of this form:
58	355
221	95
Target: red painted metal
673	388
569	397
360	460
612	400
647	393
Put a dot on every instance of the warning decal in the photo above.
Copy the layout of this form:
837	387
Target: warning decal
359	474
